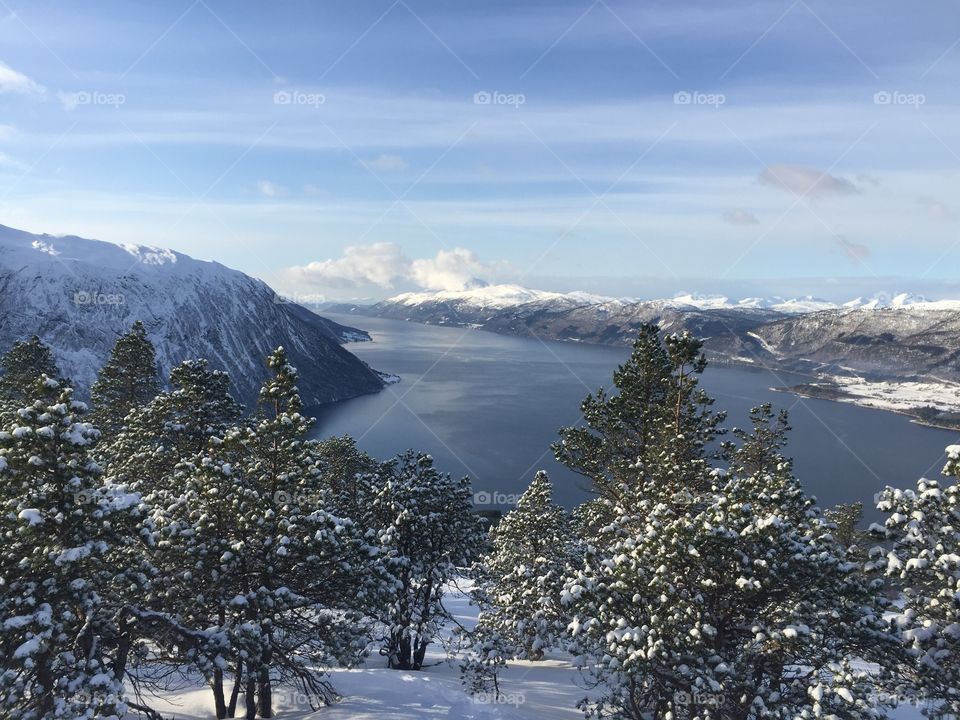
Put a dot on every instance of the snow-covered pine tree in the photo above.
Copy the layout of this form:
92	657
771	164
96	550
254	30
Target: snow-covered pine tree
248	550
428	530
654	429
518	587
170	429
21	366
846	518
923	525
127	381
589	518
58	526
712	594
523	575
347	475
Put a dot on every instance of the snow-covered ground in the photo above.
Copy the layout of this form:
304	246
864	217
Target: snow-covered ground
898	396
548	688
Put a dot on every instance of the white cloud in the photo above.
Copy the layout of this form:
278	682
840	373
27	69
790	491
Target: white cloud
739	216
455	269
385	265
388	163
804	181
935	208
381	264
270	189
13	81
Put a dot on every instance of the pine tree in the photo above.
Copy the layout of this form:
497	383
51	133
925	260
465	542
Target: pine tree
347	476
713	593
58	526
22	366
251	551
846	518
532	546
129	380
518	588
655	428
171	429
923	526
427	532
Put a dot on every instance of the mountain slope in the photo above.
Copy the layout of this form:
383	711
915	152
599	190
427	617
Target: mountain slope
896	338
78	295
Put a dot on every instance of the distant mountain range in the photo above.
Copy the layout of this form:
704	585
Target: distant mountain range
898	339
79	295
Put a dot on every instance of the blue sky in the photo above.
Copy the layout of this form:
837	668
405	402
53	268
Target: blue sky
358	149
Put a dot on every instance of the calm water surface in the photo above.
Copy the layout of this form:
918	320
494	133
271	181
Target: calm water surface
488	406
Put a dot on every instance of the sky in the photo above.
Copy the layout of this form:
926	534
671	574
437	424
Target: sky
354	150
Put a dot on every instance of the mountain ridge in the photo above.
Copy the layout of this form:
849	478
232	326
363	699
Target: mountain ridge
79	295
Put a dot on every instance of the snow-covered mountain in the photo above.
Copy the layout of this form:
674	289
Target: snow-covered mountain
885	337
78	295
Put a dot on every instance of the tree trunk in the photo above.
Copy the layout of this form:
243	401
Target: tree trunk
419	653
251	695
219	704
235	694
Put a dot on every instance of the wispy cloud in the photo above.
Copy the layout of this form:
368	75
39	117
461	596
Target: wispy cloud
270	189
388	163
935	208
739	216
805	181
857	252
16	82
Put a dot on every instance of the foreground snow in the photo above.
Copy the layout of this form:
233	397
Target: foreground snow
548	689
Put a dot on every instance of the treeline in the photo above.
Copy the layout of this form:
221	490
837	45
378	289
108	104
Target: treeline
166	537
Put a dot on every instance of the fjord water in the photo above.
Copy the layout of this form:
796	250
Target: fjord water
488	406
